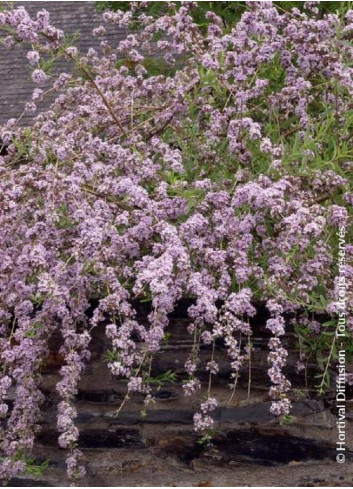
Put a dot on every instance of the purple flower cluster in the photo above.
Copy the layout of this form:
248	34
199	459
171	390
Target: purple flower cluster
203	422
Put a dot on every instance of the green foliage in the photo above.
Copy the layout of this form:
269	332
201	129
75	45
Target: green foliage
37	299
168	377
35	468
322	350
63	221
111	356
287	419
206	438
229	12
32	333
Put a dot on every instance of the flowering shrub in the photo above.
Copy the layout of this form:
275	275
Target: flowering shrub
224	179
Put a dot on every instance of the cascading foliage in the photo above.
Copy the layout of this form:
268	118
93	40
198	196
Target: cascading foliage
225	176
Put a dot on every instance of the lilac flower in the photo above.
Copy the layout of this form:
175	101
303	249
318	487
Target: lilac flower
37	94
209	405
135	384
99	31
337	215
281	407
38	76
276	325
75	469
191	386
212	367
202	423
72	51
33	57
30	107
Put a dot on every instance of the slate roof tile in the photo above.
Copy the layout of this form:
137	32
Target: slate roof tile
72	17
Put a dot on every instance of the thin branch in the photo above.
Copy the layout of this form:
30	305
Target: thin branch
109	198
92	81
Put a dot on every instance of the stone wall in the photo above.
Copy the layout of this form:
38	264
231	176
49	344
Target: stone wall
250	446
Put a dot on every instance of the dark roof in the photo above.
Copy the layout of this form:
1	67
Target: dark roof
72	17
